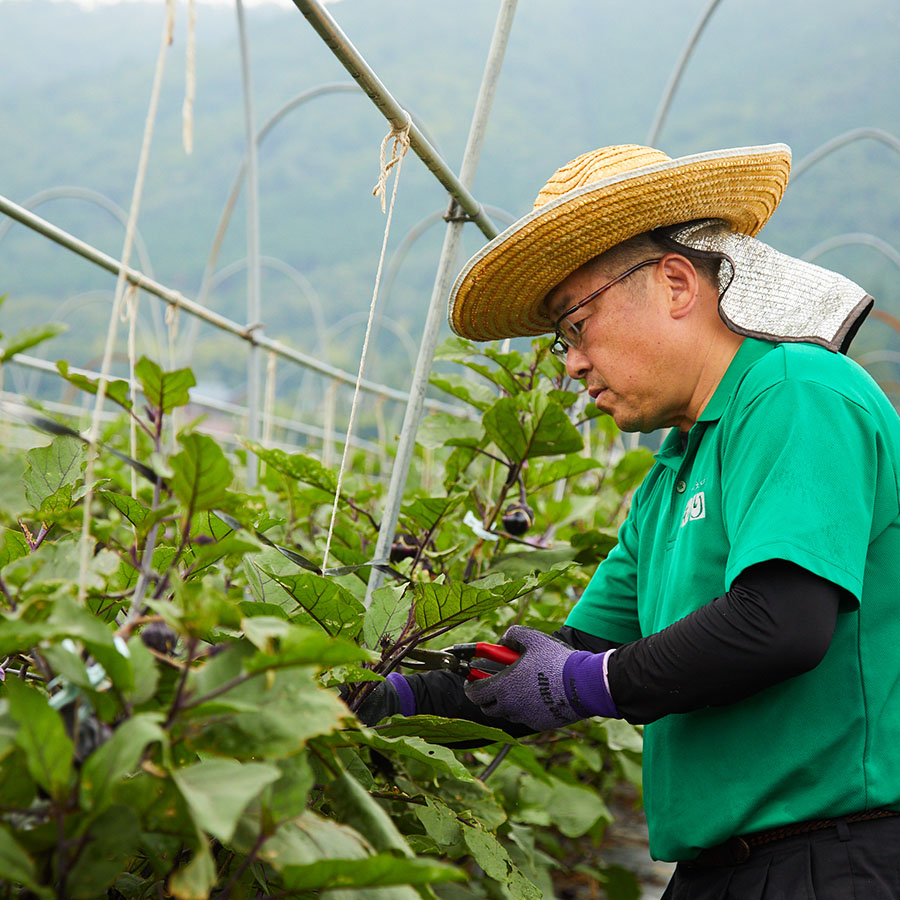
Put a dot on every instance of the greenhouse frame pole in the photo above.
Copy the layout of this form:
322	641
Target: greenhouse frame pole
254	309
437	307
340	45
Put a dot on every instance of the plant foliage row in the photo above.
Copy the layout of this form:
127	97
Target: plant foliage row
178	731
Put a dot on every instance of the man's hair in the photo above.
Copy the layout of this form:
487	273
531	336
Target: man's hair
647	246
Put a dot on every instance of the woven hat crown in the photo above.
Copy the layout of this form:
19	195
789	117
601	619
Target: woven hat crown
595	166
596	201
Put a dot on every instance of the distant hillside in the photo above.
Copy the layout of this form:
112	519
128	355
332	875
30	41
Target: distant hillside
576	77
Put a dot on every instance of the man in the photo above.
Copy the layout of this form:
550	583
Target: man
748	613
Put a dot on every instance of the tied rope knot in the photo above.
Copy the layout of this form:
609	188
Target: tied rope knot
400	137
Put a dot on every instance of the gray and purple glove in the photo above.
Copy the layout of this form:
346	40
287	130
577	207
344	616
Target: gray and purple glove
548	686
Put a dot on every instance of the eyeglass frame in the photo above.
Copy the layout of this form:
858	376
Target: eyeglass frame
561	344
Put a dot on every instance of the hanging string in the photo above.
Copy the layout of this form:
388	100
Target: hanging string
172	318
400	139
129	314
130	229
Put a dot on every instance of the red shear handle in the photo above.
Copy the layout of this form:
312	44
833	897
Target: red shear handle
490	659
497	652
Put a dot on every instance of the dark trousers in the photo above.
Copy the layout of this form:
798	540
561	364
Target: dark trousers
856	861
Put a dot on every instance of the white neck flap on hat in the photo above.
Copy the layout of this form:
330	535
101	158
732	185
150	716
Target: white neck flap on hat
776	297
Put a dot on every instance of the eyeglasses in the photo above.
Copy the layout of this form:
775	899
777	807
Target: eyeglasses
568	333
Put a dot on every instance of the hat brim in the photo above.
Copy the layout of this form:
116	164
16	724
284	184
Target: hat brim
499	292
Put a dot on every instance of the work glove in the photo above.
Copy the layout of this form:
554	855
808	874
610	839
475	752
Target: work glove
389	697
548	686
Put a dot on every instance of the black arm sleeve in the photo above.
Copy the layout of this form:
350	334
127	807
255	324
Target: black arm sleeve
776	622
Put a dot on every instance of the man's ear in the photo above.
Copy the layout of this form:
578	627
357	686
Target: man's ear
682	283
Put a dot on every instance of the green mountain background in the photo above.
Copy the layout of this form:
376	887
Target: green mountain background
578	74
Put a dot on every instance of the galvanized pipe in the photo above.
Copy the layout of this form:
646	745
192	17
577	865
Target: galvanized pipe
174	298
254	307
232	409
437	307
675	78
339	44
848	137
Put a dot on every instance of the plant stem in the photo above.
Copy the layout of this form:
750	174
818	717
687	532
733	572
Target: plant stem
177	699
222	689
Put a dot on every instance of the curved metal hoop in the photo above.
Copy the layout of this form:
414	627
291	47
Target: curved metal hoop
675	77
848	137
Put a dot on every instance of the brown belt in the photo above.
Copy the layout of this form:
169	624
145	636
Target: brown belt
739	849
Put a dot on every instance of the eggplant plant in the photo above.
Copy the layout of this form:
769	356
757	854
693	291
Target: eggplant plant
170	717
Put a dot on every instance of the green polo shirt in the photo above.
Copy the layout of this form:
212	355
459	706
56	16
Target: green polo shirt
795	457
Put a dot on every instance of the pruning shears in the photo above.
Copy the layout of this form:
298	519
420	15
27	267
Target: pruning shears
479	660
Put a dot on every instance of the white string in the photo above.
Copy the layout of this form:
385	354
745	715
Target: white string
400	138
168	30
130	311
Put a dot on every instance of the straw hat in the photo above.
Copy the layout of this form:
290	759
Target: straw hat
595	202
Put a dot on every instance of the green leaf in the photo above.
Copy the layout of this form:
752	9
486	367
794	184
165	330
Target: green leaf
117	389
51	467
478	395
439	820
442	429
132	509
456	349
201	473
382	870
423	513
283	643
571	808
539	476
622	735
439	730
277	715
13	546
531	425
503	378
440	759
488	852
438	604
42	736
387	615
593	546
297	466
164	390
109	845
310	838
286	798
29	337
631	469
525	562
16	866
355	806
117	758
195	879
217	791
323	601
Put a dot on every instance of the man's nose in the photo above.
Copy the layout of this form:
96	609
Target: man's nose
577	364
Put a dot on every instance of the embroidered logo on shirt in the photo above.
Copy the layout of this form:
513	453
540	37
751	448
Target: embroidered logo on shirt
695	509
